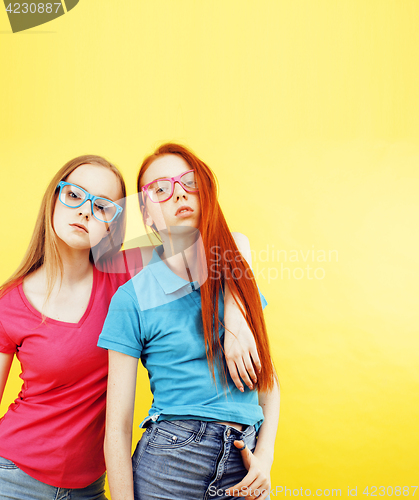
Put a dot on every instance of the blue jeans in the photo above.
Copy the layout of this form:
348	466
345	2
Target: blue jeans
188	460
17	485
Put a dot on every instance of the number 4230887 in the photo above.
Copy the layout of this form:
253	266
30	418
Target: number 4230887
32	8
390	491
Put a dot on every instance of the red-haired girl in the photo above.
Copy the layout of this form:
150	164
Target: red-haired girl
169	315
51	313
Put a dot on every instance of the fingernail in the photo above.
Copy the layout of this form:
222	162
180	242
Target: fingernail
251	386
259	369
241	389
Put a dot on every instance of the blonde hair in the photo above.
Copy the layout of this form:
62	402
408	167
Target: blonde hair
43	248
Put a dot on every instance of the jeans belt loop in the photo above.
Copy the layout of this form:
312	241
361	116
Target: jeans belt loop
201	432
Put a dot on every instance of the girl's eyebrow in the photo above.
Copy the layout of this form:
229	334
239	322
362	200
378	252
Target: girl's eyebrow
87	191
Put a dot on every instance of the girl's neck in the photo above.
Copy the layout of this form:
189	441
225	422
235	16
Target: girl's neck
180	251
76	265
75	273
70	294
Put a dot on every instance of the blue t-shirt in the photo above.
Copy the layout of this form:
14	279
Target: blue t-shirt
156	316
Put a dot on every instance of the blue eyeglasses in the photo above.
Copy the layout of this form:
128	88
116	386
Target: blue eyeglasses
74	196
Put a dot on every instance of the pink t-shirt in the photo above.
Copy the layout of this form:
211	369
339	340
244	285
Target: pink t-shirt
54	430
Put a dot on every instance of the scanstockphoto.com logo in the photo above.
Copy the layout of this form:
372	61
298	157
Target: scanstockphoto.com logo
26	15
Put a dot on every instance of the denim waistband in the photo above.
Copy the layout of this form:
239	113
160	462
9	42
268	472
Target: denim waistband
203	427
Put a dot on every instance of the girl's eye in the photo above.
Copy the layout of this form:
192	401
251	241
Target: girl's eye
104	209
74	195
161	189
189	181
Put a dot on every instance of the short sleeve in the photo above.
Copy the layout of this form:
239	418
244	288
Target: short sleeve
6	345
121	331
263	300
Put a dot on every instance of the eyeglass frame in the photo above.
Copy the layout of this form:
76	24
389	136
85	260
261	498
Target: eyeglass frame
92	199
173	181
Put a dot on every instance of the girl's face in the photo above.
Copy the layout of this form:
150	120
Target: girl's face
76	227
183	208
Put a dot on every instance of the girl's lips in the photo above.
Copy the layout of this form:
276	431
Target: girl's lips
80	227
184	211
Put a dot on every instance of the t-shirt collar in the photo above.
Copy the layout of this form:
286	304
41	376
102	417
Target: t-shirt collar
167	279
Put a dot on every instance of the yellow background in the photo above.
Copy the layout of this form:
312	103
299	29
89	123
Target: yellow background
308	111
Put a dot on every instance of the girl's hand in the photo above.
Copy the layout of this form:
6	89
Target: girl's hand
242	357
257	482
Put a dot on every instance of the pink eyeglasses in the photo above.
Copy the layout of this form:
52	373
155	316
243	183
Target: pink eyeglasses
162	189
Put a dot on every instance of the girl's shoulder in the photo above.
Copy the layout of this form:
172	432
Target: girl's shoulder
12	308
128	262
9	295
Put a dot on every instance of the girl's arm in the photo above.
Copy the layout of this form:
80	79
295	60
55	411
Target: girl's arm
259	462
119	416
239	344
5	364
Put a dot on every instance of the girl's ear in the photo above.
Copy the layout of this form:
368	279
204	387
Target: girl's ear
148	221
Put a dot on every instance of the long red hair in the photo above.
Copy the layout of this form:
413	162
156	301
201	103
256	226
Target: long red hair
222	270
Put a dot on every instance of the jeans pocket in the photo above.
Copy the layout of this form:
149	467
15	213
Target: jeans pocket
141	446
170	436
7	464
250	440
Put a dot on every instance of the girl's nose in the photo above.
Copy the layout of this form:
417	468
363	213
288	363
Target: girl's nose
86	209
178	191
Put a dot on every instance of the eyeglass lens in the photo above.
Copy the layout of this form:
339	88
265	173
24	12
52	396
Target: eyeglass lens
161	190
74	197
